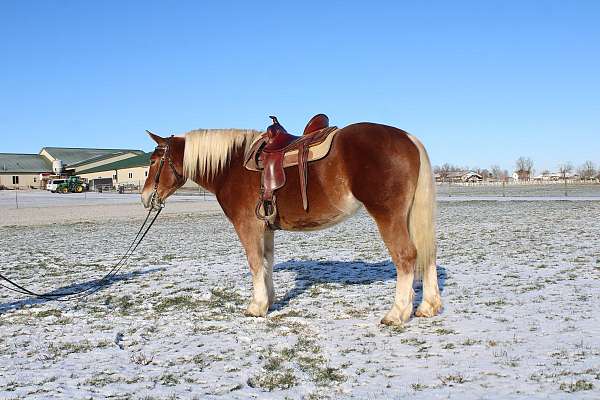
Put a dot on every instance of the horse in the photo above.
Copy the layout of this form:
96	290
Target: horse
381	168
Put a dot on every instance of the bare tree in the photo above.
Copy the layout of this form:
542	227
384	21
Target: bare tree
524	164
524	167
444	171
496	171
587	170
564	169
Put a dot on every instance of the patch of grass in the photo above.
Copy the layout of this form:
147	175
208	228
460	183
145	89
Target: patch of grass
444	331
412	341
103	380
327	376
168	257
169	379
198	329
184	302
125	305
81	347
48	313
449	380
292	313
273	364
417	387
576	387
394	329
496	303
11	386
448	346
220	297
201	361
278	379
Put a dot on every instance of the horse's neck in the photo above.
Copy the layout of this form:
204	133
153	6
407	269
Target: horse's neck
217	181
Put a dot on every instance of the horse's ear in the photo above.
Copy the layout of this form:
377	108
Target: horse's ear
156	138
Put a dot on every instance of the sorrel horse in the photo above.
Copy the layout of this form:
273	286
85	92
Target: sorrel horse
380	167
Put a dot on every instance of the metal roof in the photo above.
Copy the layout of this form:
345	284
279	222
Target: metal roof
24	163
142	160
73	155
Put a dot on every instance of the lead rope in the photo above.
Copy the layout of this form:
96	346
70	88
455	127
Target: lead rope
78	294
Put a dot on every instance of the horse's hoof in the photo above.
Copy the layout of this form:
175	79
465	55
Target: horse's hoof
255	310
391	322
396	316
428	310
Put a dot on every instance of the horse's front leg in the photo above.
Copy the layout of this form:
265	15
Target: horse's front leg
258	243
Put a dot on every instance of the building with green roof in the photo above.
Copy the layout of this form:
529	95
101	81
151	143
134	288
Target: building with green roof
22	170
129	171
29	170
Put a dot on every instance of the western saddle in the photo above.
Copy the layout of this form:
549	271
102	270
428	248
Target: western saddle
275	149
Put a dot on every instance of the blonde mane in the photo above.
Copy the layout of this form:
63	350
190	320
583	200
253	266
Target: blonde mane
207	151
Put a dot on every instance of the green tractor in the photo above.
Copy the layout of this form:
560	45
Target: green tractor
73	184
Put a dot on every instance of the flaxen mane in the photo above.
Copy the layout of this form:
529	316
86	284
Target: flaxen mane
207	151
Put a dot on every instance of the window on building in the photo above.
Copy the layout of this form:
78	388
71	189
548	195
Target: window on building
34	179
15	180
115	177
130	175
145	173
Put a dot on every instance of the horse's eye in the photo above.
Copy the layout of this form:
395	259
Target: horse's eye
152	162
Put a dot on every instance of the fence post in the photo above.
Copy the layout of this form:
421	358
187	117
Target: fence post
17	197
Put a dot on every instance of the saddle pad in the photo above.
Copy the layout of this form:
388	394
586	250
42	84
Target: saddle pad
290	158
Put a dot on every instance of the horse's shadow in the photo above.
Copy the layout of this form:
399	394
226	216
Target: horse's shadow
17	304
309	273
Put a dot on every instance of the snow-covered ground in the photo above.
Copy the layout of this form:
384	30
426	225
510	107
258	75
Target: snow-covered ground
520	283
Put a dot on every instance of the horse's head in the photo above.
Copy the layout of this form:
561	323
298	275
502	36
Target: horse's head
165	175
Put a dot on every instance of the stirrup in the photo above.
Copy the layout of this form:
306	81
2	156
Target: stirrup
266	205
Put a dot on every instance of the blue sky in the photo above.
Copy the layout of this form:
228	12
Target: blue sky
480	82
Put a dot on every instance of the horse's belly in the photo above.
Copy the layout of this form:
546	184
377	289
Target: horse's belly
320	217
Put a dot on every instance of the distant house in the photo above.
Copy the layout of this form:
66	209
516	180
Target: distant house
22	170
472	177
521	176
459	177
555	176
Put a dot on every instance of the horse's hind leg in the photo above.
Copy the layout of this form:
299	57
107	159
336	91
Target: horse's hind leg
432	302
394	232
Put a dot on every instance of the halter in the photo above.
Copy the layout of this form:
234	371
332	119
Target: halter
166	157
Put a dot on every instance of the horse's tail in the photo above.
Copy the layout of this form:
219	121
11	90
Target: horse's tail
421	220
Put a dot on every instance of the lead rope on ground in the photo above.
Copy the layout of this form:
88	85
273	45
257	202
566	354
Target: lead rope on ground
95	286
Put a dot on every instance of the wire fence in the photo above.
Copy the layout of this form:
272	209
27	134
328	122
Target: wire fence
520	189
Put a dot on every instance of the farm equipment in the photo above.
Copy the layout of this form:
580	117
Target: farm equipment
72	184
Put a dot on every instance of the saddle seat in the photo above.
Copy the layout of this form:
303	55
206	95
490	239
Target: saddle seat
276	149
